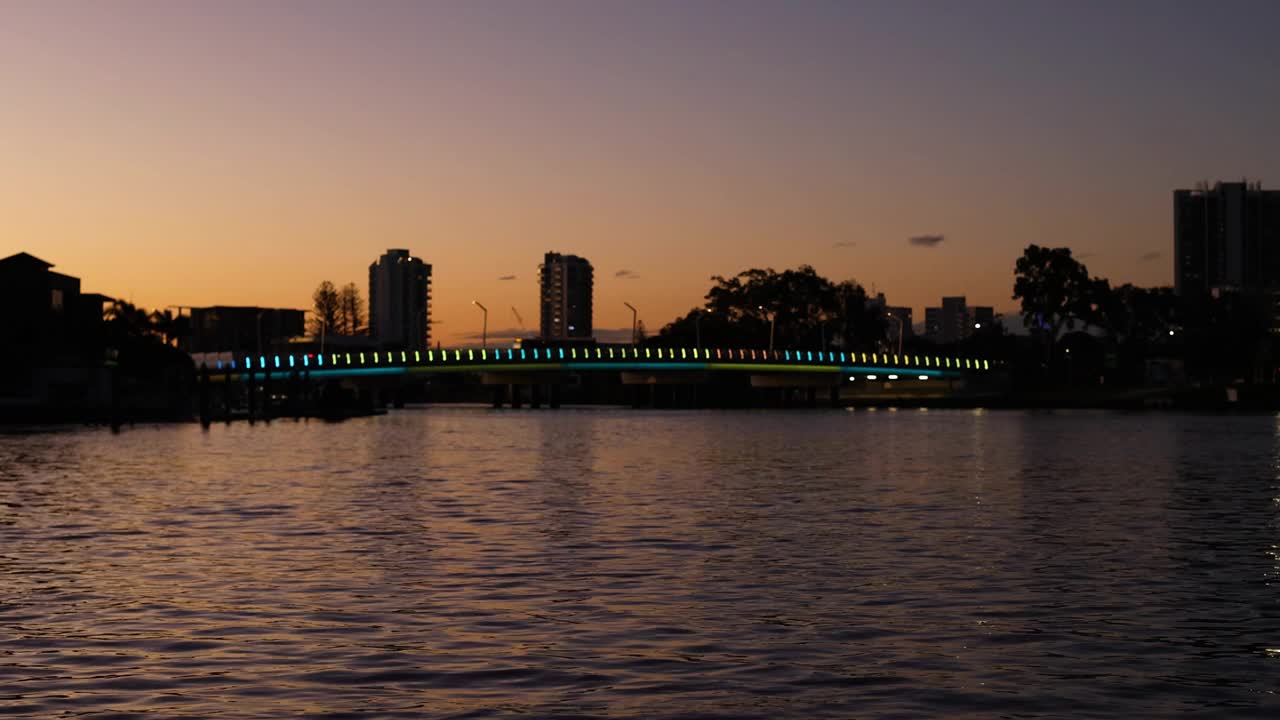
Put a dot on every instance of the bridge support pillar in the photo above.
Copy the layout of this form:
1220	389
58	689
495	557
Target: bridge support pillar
308	392
555	396
205	414
266	396
516	392
295	395
226	400
535	396
253	397
835	396
499	395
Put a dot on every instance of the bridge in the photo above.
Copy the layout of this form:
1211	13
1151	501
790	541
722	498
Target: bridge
355	364
509	370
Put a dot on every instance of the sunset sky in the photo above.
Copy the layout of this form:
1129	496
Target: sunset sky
181	153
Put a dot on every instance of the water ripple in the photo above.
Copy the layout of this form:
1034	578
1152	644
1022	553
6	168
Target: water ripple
463	563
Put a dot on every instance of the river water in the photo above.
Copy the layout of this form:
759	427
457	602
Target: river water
464	562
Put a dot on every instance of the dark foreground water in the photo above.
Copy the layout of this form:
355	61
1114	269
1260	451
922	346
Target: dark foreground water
600	563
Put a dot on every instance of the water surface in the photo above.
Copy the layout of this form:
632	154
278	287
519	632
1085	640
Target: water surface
619	563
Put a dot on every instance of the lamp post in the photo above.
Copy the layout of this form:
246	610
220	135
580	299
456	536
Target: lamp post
772	317
484	329
633	322
697	326
898	320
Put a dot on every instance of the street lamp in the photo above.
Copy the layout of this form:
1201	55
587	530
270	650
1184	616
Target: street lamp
633	322
772	317
697	325
484	329
898	320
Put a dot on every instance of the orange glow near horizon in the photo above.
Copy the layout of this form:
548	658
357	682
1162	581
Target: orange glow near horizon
240	154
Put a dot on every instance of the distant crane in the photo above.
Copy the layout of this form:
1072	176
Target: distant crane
519	319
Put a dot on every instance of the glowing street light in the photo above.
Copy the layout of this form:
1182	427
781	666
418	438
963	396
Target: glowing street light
772	317
697	325
898	320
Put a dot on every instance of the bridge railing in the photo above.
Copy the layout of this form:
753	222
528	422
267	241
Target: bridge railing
603	358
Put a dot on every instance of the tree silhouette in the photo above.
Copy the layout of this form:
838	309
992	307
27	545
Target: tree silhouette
172	329
138	340
327	306
806	310
351	316
1056	293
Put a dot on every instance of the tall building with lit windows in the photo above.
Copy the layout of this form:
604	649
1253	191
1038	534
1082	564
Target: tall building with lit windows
400	301
566	283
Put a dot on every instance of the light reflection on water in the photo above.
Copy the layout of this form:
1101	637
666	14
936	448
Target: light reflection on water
464	562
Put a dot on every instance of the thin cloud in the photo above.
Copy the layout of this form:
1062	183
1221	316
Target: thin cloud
843	244
507	277
626	275
1148	257
926	240
1084	255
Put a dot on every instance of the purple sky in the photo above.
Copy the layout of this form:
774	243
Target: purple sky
240	152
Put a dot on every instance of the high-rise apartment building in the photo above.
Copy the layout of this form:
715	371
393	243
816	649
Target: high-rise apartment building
400	301
949	323
566	283
1226	237
933	324
955	320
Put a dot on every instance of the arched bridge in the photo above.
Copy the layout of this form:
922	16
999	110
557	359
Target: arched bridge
261	379
594	359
